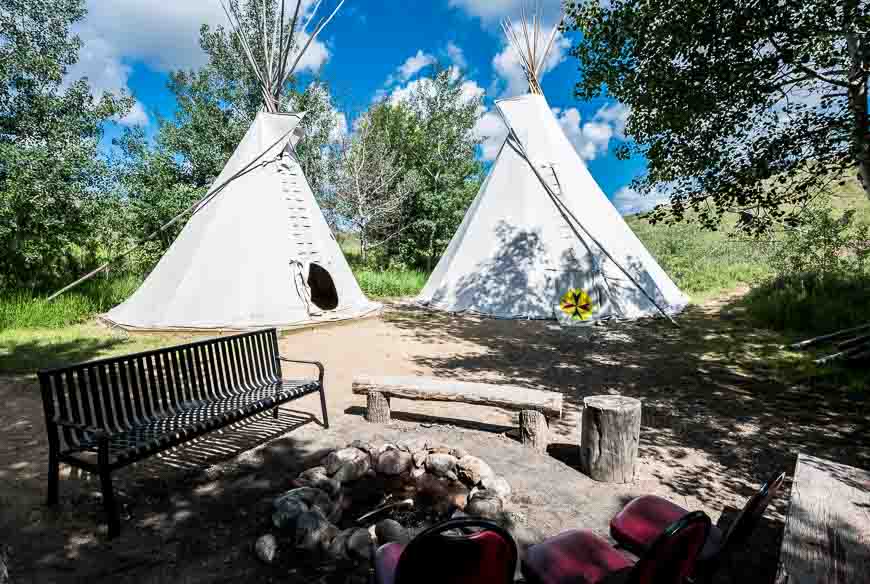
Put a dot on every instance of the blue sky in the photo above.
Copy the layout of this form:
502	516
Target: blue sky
372	48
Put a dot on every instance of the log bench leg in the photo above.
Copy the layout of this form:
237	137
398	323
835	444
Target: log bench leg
378	408
534	431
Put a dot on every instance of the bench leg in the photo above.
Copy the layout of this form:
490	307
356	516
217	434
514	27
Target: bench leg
534	430
109	505
378	408
275	413
323	406
53	475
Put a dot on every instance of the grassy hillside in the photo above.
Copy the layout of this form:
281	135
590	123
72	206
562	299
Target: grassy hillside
706	263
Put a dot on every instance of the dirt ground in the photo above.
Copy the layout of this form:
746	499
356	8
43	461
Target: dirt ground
718	421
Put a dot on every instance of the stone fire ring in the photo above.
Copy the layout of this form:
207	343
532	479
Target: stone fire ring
306	517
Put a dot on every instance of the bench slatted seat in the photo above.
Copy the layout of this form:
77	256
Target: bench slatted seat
534	405
103	415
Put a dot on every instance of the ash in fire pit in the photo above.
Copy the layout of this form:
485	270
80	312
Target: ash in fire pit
365	495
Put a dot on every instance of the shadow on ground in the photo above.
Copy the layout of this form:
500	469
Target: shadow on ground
715	386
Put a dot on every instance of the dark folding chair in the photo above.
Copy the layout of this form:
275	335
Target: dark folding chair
581	557
487	556
640	522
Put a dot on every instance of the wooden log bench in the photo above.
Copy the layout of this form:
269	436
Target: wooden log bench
535	406
104	415
827	531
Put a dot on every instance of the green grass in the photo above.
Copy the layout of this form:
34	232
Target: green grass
25	310
389	283
26	350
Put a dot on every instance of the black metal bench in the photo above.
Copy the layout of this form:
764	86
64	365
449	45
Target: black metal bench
106	414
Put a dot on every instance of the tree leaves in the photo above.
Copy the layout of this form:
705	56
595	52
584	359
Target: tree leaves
51	174
737	107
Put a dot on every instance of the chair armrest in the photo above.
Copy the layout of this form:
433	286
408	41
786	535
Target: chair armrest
98	432
317	364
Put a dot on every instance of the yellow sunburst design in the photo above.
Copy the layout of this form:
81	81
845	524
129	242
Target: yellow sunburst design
577	304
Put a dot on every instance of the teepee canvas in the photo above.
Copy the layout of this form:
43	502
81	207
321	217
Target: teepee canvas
541	240
257	251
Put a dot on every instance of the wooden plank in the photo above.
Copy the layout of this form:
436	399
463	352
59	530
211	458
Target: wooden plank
827	532
510	397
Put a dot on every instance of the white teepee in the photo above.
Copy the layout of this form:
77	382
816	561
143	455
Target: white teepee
257	250
541	226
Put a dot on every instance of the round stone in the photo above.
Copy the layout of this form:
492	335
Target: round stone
458	453
394	462
337	549
362	445
440	464
266	548
484	504
432	486
471	470
412	445
457	495
390	530
360	545
287	510
347	464
497	485
313	530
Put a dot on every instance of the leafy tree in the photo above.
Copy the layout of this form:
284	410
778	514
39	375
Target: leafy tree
51	174
215	106
433	131
754	106
370	184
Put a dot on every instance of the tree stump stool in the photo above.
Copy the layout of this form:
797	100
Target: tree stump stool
609	437
378	408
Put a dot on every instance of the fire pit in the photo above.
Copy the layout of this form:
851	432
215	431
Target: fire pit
365	495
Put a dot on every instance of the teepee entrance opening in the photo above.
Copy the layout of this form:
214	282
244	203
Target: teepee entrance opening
324	294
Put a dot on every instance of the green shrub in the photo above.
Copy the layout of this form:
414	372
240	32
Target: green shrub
822	276
810	304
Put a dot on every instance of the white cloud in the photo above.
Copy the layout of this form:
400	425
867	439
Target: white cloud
630	202
105	71
510	73
414	65
592	138
400	86
491	129
137	116
165	37
491	11
456	56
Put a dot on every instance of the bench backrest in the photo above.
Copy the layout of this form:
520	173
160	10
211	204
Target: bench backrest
117	393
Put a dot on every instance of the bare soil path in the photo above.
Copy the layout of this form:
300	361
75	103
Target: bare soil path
718	420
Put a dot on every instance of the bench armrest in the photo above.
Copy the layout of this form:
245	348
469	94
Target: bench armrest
98	432
317	364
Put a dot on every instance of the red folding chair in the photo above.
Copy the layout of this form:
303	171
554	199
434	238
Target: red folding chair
487	556
581	557
640	522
